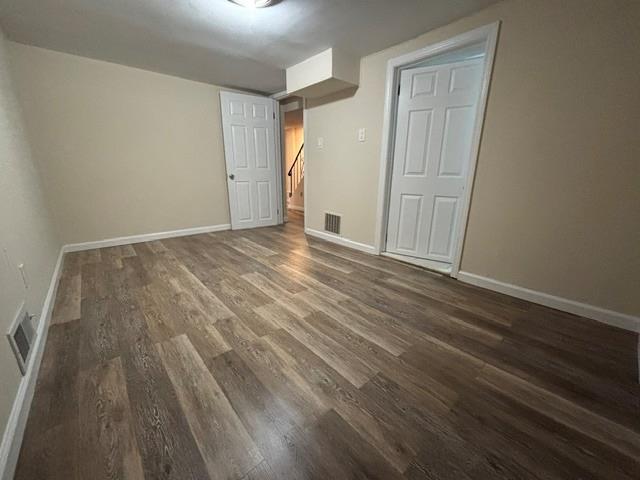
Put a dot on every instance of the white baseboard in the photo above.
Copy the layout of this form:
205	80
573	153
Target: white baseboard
296	208
329	237
14	431
145	237
610	317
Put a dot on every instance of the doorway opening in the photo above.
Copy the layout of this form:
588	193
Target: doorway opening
434	111
292	118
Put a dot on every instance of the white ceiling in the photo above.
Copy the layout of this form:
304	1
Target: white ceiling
218	42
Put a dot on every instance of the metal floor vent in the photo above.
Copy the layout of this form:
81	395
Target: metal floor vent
332	223
21	337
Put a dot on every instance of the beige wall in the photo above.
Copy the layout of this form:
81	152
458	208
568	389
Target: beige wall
123	151
26	233
556	202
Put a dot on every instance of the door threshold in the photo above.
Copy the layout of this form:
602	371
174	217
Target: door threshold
439	267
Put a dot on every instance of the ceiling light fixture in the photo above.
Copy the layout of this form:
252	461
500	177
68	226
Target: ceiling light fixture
253	3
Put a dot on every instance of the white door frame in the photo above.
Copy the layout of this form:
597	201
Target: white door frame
487	34
279	122
281	154
281	111
306	158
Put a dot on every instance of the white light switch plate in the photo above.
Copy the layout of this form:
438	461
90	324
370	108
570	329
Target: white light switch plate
320	142
362	134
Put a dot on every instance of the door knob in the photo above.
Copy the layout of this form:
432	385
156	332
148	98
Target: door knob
232	176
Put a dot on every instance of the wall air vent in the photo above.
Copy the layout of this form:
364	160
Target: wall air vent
332	223
21	336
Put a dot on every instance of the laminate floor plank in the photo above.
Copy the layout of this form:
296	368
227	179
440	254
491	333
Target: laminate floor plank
266	354
266	417
55	410
550	327
436	289
164	314
425	317
61	384
618	402
167	446
566	450
49	457
380	360
618	436
311	283
352	457
376	427
282	378
506	449
279	294
262	472
99	335
108	447
250	248
439	451
67	305
241	297
333	353
383	337
93	282
225	445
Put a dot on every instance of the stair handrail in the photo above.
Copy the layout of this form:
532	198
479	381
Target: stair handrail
296	160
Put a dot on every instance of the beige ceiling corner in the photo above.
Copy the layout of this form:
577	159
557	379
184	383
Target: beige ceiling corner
325	73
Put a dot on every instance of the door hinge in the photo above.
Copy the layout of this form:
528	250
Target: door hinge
398	89
274	115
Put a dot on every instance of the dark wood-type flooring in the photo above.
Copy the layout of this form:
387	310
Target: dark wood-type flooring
265	354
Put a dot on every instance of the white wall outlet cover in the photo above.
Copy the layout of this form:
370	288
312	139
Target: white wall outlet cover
362	134
320	142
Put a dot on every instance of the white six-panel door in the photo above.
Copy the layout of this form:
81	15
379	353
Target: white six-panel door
434	129
248	127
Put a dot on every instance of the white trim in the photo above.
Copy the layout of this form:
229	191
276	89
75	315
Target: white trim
305	127
145	237
296	208
279	122
345	242
440	267
488	34
14	431
279	95
621	320
283	197
292	106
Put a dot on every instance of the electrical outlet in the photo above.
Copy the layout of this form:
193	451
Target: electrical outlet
362	134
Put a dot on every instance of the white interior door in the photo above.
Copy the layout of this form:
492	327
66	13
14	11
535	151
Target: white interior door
248	125
436	115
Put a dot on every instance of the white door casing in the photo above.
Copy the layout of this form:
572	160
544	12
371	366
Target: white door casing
437	109
248	125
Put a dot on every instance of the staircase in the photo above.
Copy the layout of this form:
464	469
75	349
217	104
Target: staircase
296	172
